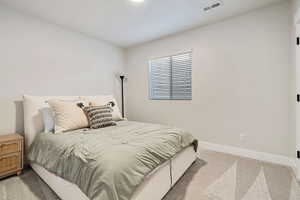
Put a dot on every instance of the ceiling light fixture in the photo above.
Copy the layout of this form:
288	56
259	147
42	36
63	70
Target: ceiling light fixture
137	1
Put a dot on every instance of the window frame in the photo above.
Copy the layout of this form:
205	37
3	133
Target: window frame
151	96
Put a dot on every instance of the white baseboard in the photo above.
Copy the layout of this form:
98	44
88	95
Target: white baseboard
262	156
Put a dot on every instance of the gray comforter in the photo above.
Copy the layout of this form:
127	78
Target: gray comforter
109	163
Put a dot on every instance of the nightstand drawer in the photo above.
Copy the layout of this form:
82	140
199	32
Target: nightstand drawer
10	162
10	147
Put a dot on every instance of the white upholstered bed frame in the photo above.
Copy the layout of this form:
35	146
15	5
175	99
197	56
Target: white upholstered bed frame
155	186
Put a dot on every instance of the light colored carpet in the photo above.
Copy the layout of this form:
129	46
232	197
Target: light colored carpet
215	176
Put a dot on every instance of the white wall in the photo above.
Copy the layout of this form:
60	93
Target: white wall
296	5
241	81
42	59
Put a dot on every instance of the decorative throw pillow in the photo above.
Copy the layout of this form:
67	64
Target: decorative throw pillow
67	115
99	116
104	100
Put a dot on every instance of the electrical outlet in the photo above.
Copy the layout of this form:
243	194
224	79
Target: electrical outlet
242	137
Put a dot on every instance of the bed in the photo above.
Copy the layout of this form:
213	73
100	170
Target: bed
154	186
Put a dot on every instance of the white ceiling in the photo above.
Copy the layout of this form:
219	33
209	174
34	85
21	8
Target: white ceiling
125	23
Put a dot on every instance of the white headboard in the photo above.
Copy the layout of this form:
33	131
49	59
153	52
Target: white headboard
33	120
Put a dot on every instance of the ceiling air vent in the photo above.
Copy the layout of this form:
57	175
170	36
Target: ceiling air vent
212	5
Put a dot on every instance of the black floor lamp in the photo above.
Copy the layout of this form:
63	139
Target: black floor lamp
122	93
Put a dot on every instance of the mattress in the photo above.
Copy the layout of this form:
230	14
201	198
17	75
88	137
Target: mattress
155	186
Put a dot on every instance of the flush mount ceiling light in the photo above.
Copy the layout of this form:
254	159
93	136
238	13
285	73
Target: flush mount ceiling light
137	1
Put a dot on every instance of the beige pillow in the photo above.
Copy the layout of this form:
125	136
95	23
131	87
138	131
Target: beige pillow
104	100
68	115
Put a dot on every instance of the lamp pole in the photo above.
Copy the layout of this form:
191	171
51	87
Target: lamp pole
122	94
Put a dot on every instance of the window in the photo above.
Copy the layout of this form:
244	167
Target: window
171	77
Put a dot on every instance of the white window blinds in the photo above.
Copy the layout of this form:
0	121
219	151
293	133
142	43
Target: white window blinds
171	77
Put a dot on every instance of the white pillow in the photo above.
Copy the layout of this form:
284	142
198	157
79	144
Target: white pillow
48	118
104	100
68	115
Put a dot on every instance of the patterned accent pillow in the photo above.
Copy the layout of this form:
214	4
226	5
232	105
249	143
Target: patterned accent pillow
99	116
104	100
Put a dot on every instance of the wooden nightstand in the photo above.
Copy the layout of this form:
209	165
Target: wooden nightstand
11	154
